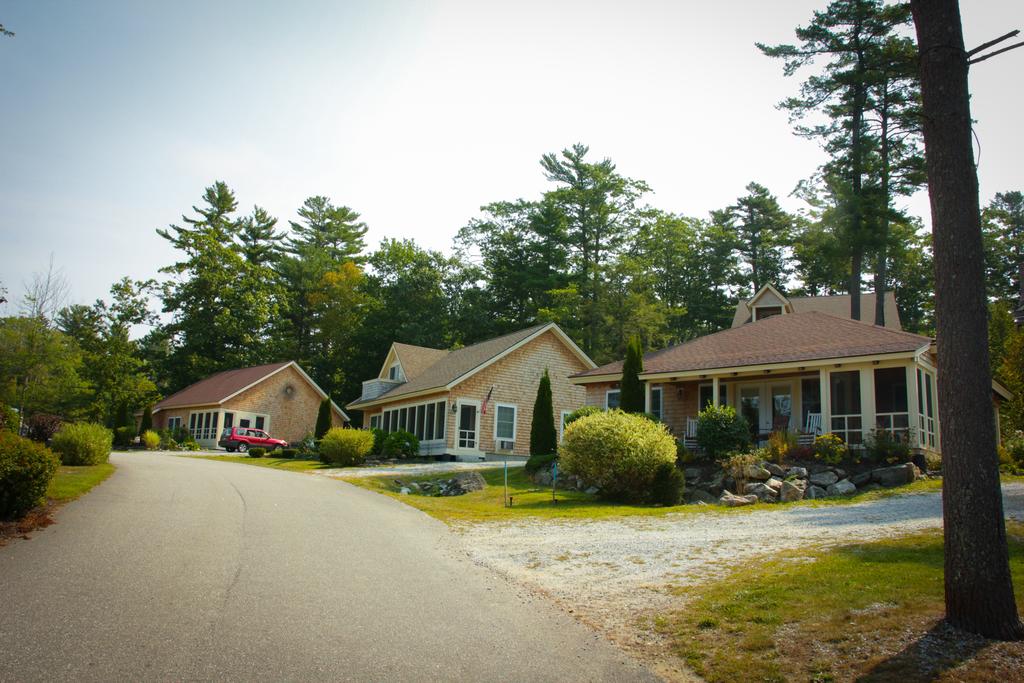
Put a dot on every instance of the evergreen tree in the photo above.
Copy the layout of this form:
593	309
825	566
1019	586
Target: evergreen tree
543	435
1003	234
631	396
761	230
146	423
334	231
323	419
259	240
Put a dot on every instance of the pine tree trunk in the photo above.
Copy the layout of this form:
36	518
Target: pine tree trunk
882	264
979	594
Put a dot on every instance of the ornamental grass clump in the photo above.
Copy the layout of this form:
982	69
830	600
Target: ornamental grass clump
617	452
83	443
26	468
151	440
345	447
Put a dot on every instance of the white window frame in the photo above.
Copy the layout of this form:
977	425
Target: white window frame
608	393
395	372
411	408
661	402
375	419
515	419
561	424
174	423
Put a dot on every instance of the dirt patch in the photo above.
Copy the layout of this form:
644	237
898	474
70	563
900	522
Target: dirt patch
36	518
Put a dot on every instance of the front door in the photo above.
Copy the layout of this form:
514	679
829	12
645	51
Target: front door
467	427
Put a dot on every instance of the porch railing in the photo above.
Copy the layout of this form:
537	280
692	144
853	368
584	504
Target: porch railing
849	427
897	424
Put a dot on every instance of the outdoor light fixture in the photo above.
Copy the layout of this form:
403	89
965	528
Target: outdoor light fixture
455	408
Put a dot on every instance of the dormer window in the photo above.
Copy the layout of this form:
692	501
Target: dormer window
762	312
395	373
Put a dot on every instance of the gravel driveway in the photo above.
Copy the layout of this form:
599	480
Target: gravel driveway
612	572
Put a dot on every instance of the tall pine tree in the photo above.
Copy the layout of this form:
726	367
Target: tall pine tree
543	436
631	396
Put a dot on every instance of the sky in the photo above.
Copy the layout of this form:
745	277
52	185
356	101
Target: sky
114	115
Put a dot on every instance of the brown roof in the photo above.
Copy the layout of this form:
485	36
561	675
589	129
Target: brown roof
416	359
216	388
838	305
787	338
453	364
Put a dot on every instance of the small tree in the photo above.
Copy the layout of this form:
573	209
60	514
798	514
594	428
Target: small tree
146	424
323	419
631	396
543	436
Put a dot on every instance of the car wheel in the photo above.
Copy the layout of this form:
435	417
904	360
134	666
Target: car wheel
242	448
230	449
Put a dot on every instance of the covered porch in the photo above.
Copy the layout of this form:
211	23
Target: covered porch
852	399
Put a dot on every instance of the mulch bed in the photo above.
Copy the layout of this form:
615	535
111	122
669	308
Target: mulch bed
36	518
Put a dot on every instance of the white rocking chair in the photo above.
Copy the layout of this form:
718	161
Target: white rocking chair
811	431
690	438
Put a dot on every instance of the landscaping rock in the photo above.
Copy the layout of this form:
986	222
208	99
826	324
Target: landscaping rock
405	491
791	491
840	472
756	472
896	475
798	472
700	496
691	473
732	500
593	490
774	484
542	478
861	479
775	470
841	488
470	481
761	491
813	492
826	478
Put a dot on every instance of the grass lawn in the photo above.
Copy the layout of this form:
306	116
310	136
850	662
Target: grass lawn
867	612
71	482
290	464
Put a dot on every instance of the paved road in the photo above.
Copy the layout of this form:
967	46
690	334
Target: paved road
188	569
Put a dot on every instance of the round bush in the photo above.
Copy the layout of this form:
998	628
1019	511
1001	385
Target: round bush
617	452
26	469
151	440
581	412
401	444
668	485
720	431
289	452
83	443
829	448
345	447
257	452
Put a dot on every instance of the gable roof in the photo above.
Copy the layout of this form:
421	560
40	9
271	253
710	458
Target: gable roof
837	305
458	364
222	386
796	337
416	359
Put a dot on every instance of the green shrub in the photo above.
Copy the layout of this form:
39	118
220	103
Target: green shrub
152	441
883	446
720	431
536	463
401	444
581	412
26	469
829	448
323	419
146	423
257	452
1011	454
668	485
617	452
8	419
289	452
345	447
379	435
123	437
83	443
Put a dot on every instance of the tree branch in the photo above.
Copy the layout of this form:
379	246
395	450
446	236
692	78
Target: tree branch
990	43
997	52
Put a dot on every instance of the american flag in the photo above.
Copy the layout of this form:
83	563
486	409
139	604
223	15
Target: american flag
483	408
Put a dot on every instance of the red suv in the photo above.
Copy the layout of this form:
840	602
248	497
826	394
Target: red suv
242	439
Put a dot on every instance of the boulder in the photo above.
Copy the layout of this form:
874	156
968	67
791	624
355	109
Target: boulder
774	483
542	478
840	472
700	496
756	472
813	492
691	473
896	475
791	491
823	479
861	479
593	490
798	472
470	481
761	491
405	491
775	470
732	500
843	487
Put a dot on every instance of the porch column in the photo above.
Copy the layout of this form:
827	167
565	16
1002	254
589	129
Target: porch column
825	399
647	397
714	391
867	400
913	419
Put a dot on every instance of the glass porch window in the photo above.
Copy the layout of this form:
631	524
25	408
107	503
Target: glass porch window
782	407
655	407
810	398
750	409
706	392
847	422
926	408
891	412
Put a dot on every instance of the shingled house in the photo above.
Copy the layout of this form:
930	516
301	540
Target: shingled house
784	360
476	401
279	398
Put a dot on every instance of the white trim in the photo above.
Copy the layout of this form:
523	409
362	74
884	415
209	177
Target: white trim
515	420
561	424
661	401
609	393
768	287
456	449
388	362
